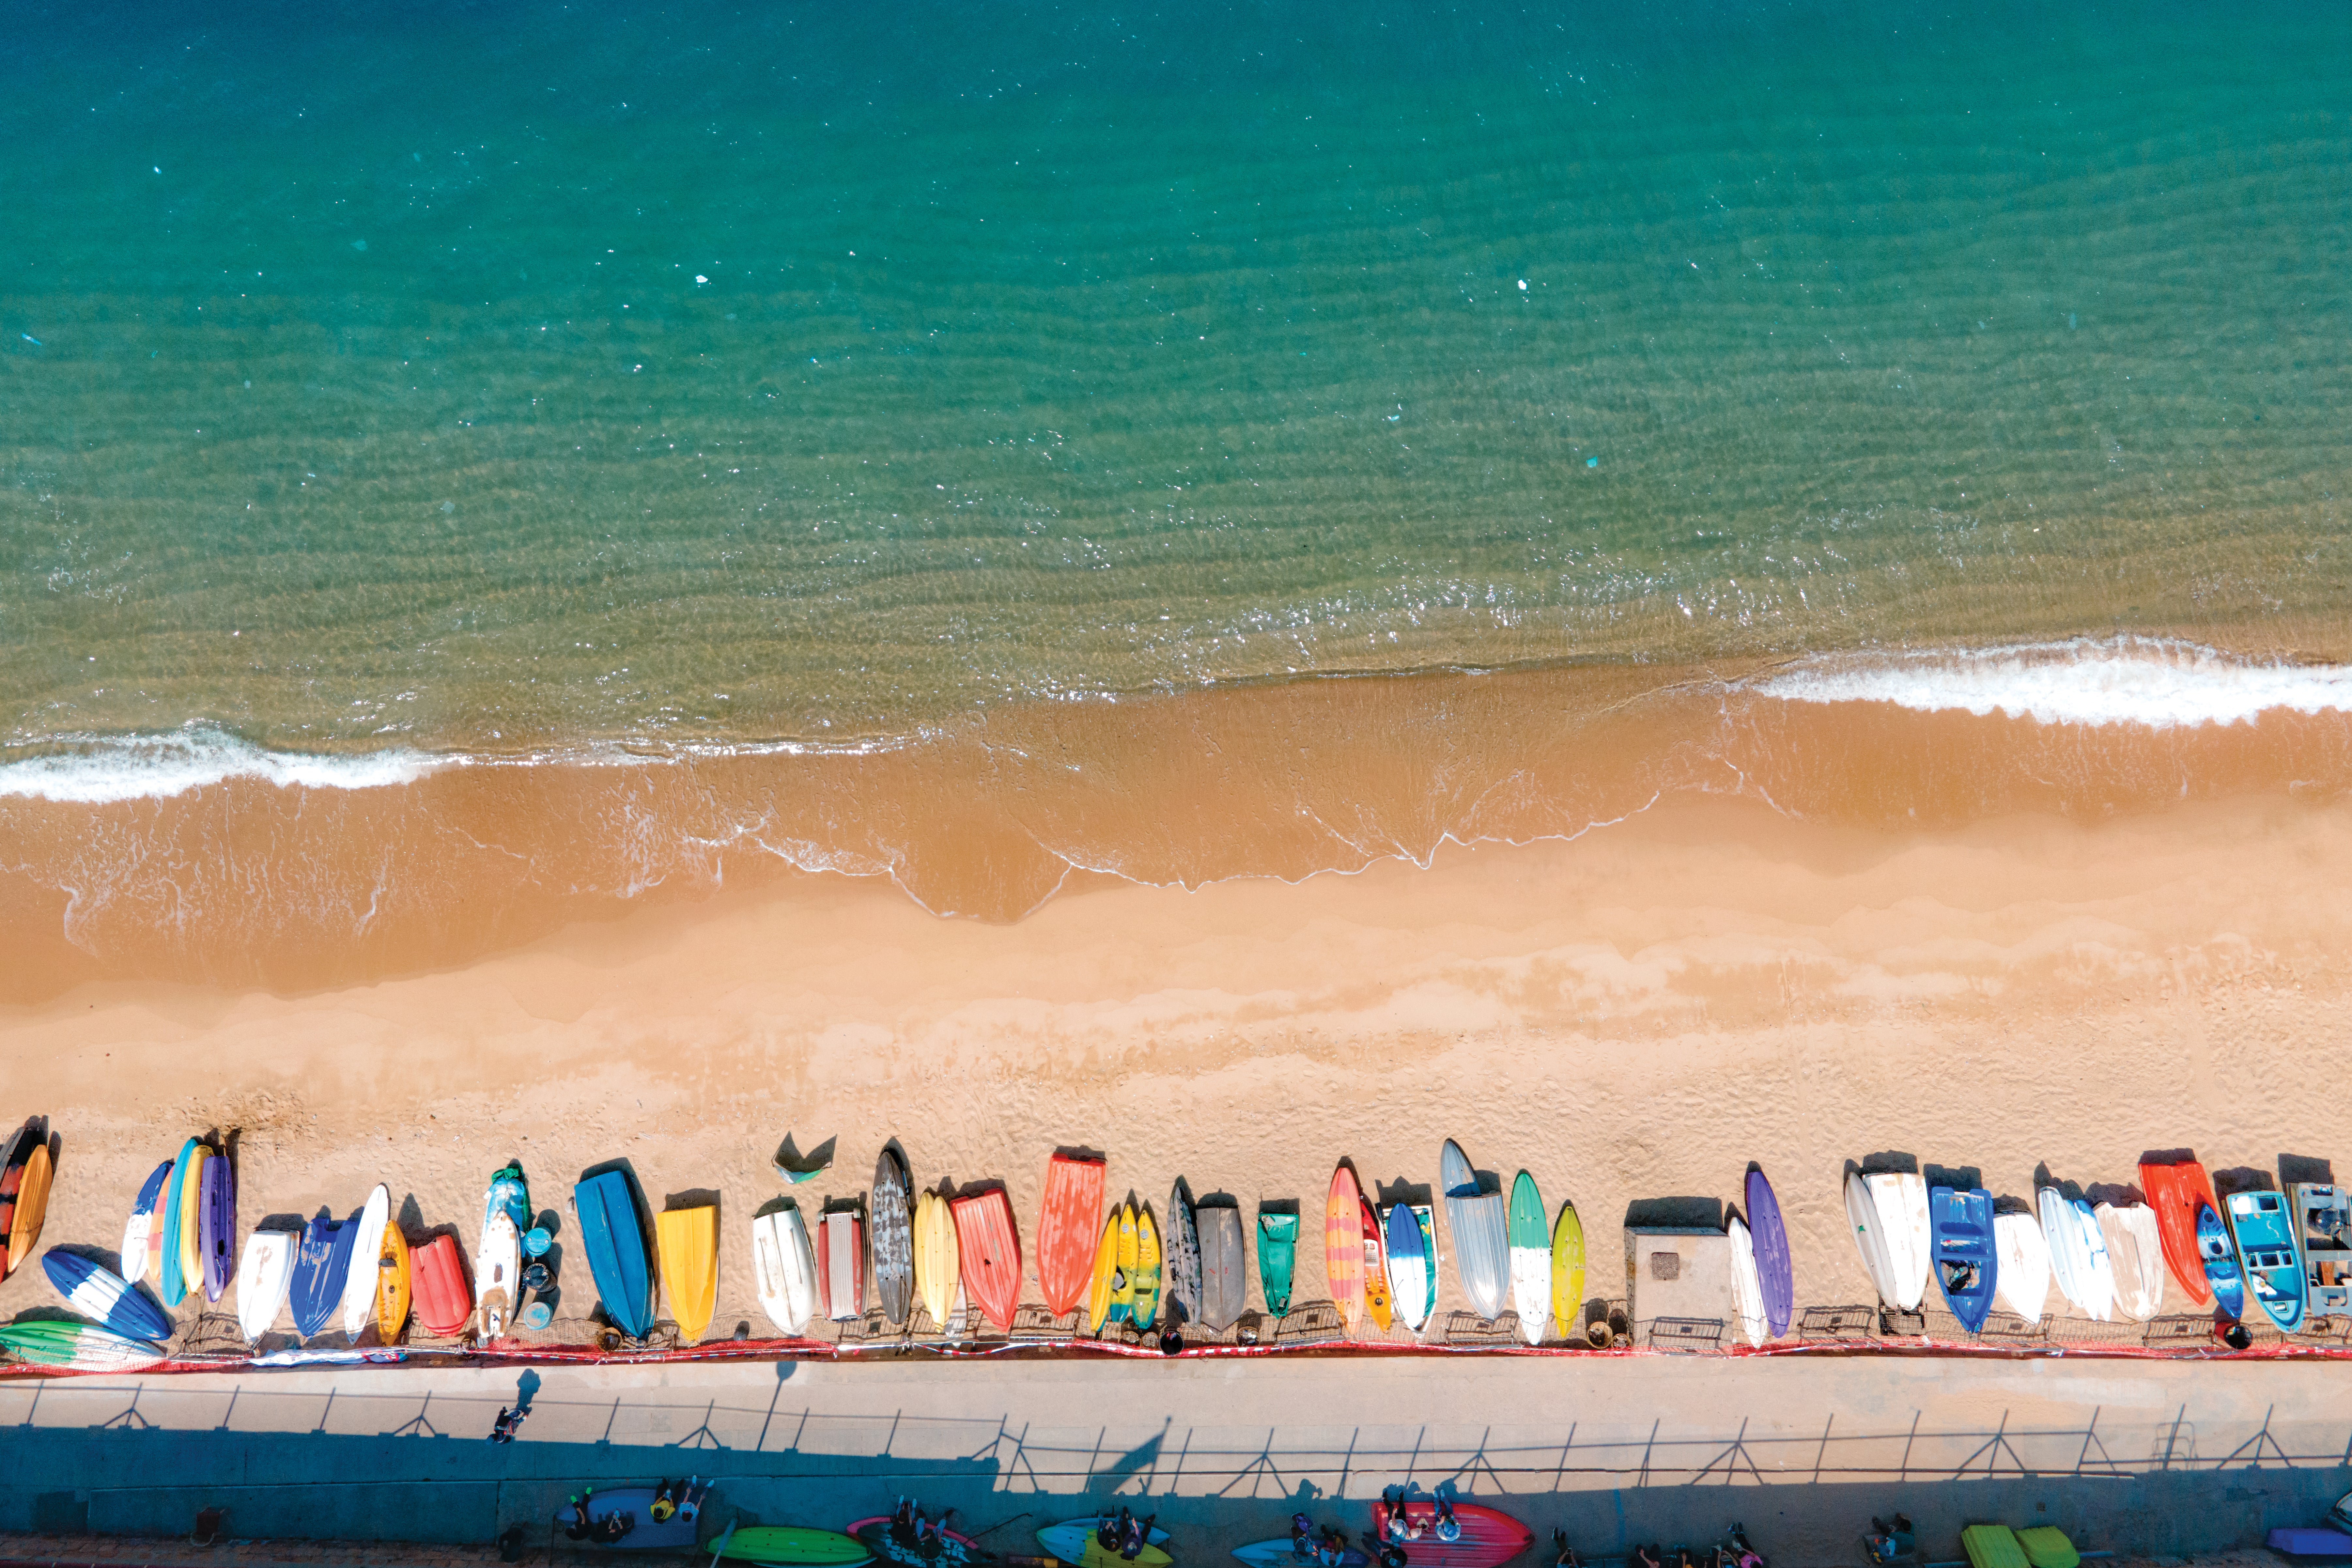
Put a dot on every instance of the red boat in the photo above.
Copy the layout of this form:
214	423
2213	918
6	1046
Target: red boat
1066	1228
437	1284
1488	1539
2175	1192
988	1252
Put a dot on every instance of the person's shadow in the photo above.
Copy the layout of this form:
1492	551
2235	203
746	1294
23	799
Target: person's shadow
526	1388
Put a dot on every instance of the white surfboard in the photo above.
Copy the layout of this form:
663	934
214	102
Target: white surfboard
496	1264
263	1278
1531	1289
1862	1214
1747	1285
2022	1276
1407	1284
2069	1259
1901	1197
144	1220
784	1268
2098	1278
359	1284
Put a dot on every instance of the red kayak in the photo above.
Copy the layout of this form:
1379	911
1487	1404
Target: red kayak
1067	1227
1488	1539
437	1284
988	1252
2175	1193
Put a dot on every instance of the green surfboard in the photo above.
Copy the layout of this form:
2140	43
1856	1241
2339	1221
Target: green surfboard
784	1544
1278	1254
1527	1217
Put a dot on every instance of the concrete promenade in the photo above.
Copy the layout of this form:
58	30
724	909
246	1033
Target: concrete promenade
2144	1457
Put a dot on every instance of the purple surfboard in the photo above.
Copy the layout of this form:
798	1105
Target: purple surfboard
218	1225
1771	1238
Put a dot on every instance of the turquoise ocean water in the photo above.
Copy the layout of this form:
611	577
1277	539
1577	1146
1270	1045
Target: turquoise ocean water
492	377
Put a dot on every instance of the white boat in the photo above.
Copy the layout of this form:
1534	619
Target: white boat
1901	1199
263	1278
2134	1257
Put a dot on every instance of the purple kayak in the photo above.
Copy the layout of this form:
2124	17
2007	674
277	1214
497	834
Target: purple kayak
1771	1240
217	1225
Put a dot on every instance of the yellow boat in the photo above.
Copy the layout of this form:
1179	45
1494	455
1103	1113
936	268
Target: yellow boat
391	1284
32	1205
936	1258
1122	1289
688	1240
1106	1277
1567	1272
1146	1270
192	1224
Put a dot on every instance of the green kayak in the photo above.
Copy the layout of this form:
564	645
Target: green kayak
789	1545
83	1347
1278	1255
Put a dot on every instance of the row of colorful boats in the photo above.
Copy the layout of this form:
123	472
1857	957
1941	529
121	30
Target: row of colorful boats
1125	1270
2288	1253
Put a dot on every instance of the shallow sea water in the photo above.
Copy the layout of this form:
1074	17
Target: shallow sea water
513	376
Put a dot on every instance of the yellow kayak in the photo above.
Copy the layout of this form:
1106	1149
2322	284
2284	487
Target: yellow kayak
1146	1270
192	1227
1122	1291
936	1259
1567	1272
688	1240
391	1284
1106	1277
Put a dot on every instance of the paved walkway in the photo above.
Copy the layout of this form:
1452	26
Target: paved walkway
2141	1456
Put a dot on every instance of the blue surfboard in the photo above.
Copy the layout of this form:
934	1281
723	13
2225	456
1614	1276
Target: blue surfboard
173	1287
103	1294
615	1244
316	1293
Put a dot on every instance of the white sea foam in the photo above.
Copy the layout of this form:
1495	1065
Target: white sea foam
100	770
2120	680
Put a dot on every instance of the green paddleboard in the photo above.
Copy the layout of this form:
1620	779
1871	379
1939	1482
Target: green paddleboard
1278	1254
785	1543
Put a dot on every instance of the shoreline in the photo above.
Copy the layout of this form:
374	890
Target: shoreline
251	881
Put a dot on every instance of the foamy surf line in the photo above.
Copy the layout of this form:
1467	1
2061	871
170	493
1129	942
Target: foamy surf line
104	771
2156	683
91	770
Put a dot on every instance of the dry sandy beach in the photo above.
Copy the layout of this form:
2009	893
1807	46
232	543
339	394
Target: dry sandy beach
1636	1014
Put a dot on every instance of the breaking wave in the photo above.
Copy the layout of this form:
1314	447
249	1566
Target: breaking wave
2160	683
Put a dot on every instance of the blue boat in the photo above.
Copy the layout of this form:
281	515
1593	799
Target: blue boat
2273	1256
615	1242
2220	1263
103	1294
1959	1226
320	1263
170	1282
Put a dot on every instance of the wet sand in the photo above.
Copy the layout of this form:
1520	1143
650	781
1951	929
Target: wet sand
1633	1015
